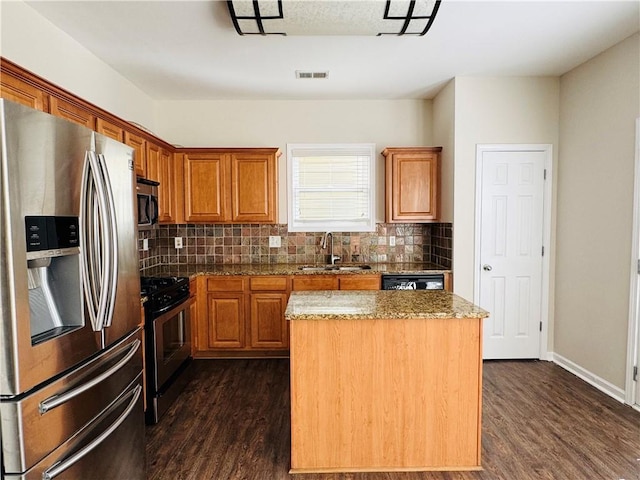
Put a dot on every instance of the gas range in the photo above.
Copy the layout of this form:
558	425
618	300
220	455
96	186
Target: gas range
163	293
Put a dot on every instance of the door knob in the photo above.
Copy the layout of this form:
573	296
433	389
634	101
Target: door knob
487	268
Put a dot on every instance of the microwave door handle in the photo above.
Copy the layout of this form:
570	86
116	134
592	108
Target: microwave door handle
156	212
112	243
59	467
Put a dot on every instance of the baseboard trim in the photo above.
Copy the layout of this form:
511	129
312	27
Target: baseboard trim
592	379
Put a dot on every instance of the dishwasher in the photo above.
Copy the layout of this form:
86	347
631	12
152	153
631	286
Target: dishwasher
413	281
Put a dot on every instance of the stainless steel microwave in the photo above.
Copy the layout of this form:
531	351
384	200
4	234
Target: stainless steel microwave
147	204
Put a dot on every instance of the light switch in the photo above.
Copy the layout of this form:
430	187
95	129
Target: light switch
145	244
392	241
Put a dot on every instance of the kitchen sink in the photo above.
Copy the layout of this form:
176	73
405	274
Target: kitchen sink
321	268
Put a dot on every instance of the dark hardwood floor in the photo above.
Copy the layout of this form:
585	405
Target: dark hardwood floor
539	422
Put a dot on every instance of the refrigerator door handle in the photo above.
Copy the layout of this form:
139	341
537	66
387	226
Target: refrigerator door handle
96	231
112	243
87	225
59	467
57	400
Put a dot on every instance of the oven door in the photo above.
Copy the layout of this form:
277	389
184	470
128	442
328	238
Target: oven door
171	342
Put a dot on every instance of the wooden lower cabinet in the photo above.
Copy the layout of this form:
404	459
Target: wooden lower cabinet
226	319
243	317
315	282
359	282
336	282
268	327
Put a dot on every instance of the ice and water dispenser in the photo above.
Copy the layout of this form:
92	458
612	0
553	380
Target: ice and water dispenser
53	273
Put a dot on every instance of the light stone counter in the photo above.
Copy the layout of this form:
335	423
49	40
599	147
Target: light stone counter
380	304
192	270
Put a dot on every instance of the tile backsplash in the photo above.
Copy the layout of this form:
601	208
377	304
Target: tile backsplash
249	243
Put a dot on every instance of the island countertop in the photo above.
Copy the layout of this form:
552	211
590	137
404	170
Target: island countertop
379	304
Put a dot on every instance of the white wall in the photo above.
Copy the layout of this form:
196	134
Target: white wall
444	136
493	110
274	123
34	43
599	102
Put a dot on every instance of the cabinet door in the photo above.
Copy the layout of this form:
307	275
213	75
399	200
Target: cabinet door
225	321
109	130
412	178
166	190
139	144
314	282
254	187
359	282
153	162
19	91
63	109
268	325
205	184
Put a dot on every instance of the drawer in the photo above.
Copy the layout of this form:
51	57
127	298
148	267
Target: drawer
225	284
359	282
268	283
315	282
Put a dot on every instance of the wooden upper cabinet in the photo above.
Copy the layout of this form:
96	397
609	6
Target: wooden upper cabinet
19	91
254	187
109	130
166	190
70	111
153	162
231	185
205	187
412	184
139	145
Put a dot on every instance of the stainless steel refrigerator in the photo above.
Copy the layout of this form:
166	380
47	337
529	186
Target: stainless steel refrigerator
70	341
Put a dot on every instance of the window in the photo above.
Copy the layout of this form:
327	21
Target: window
331	187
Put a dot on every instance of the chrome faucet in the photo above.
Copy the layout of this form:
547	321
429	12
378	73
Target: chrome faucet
323	244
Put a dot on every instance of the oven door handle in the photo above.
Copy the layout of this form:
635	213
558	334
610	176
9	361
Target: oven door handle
168	308
59	467
57	400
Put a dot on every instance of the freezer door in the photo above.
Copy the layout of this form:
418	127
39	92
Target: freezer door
40	175
36	424
111	447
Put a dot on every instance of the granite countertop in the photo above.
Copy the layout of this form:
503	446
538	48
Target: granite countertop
191	270
379	304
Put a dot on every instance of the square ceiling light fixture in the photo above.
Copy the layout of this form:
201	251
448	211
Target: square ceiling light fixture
333	17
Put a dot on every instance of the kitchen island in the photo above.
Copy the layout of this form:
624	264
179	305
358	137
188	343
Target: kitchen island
385	381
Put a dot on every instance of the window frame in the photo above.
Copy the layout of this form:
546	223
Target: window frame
294	225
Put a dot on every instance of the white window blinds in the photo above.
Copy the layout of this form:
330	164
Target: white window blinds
331	187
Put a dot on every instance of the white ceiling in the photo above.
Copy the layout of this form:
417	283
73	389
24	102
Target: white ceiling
176	50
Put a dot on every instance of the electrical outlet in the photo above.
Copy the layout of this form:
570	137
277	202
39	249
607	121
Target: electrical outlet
145	244
392	241
178	242
275	241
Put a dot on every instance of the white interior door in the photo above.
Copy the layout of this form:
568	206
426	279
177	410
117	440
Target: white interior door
511	235
632	390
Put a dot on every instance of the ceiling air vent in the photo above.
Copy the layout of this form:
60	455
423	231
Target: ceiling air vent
305	74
